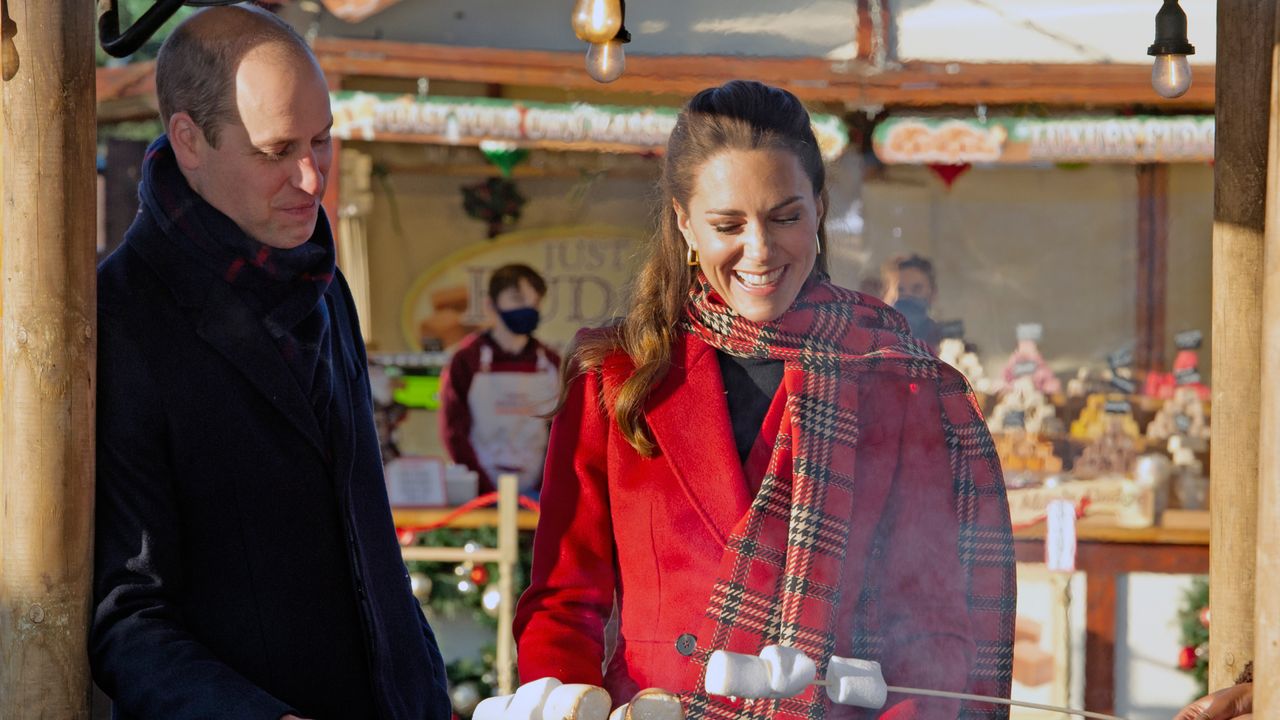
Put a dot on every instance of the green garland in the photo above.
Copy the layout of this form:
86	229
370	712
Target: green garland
1193	619
454	591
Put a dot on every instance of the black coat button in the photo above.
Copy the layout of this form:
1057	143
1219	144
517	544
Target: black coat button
686	644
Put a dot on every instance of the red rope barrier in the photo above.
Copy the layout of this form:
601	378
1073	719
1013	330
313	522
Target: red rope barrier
475	504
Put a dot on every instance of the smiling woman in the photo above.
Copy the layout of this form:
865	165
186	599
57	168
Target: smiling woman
756	456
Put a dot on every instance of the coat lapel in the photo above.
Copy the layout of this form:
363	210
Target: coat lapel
689	418
231	328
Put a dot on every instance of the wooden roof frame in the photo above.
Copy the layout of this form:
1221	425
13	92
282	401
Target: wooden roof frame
127	92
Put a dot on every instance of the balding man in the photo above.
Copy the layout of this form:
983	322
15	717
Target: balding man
246	564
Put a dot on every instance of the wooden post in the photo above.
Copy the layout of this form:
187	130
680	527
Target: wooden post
1153	252
1267	603
1245	35
46	478
509	548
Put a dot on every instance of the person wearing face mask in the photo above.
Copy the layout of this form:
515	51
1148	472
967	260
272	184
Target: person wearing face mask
499	384
756	456
911	286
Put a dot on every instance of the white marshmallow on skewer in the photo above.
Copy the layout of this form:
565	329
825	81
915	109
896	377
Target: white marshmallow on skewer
577	702
494	708
737	675
856	682
530	699
654	704
791	671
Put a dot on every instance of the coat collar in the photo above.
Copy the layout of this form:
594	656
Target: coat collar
689	418
228	324
238	335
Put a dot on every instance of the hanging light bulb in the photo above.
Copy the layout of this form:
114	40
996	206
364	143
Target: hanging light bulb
597	21
1171	73
606	61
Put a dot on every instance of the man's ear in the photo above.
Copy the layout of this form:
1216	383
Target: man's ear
187	140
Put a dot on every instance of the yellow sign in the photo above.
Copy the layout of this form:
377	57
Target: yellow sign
588	271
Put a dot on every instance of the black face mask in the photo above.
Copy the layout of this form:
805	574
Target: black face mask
521	321
916	311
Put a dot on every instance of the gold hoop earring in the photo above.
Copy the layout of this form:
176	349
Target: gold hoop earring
691	257
818	239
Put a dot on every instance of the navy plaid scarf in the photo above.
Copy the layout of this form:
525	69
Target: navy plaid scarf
780	579
285	288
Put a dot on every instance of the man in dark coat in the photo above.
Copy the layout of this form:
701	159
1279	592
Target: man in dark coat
246	564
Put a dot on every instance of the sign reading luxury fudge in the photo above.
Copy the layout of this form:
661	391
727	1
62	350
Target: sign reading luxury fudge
588	270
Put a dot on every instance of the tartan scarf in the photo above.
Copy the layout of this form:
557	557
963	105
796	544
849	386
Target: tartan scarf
285	287
780	578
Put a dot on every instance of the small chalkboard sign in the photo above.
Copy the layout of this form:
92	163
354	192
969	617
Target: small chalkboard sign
1124	384
1189	376
1118	407
1015	419
1188	340
951	329
1182	422
1025	368
1121	358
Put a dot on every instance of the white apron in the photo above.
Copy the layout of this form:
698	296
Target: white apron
506	432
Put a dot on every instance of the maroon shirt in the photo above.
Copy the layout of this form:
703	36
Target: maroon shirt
455	387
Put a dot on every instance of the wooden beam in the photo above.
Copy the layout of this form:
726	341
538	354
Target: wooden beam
126	92
46	479
130	90
874	37
1153	252
1267	558
1240	196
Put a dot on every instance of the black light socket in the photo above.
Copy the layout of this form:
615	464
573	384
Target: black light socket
1171	31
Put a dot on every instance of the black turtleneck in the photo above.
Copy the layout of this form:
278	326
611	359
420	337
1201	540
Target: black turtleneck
749	385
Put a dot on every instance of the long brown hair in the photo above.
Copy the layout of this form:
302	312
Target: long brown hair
739	115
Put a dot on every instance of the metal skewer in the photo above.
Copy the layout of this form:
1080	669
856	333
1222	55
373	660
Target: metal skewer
989	699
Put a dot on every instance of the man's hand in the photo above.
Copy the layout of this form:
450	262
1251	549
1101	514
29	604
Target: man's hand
1233	703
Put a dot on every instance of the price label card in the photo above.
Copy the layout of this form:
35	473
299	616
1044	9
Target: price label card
1188	340
1030	331
1060	537
1025	368
1016	419
1118	407
1190	376
1121	358
1123	384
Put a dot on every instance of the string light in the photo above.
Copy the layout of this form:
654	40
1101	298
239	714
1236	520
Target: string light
606	58
606	61
1171	72
597	21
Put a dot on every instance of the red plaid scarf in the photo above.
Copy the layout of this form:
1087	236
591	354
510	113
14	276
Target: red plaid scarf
780	578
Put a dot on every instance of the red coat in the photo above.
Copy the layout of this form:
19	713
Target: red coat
653	530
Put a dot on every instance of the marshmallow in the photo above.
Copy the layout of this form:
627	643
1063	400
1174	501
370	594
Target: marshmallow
577	702
790	670
737	675
856	682
494	708
620	712
530	699
654	704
